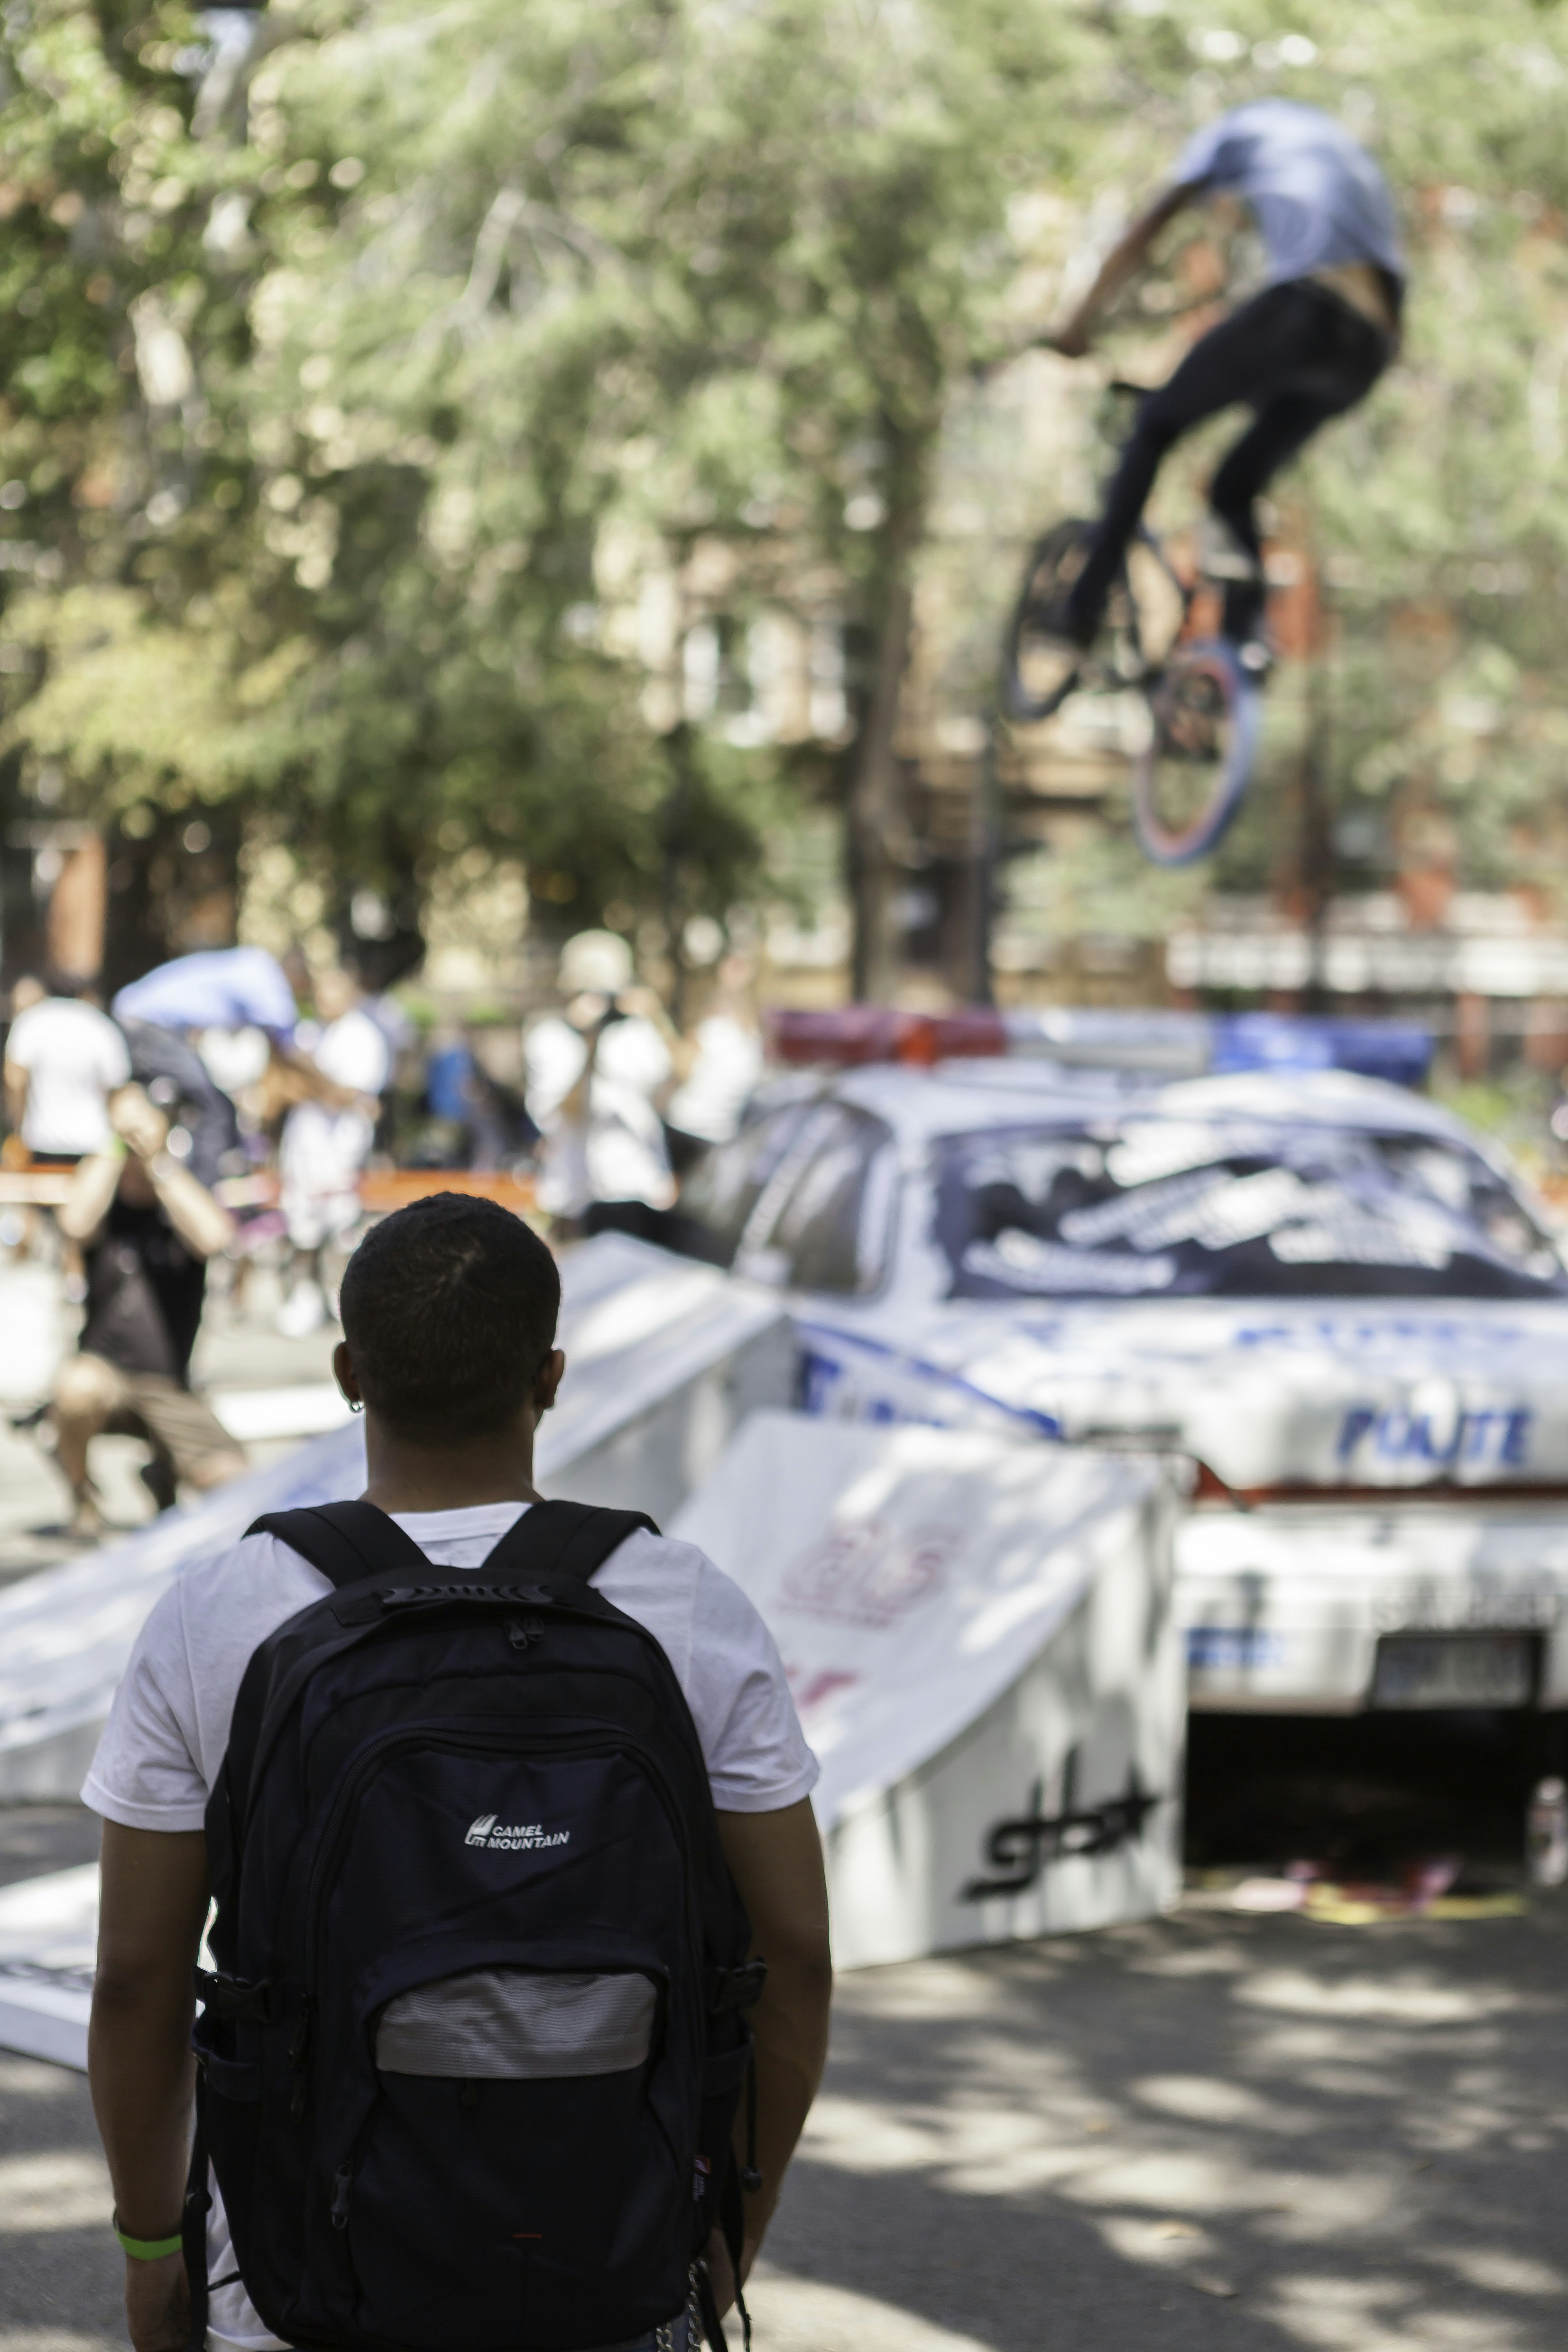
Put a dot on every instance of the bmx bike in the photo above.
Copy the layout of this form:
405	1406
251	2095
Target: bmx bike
1203	693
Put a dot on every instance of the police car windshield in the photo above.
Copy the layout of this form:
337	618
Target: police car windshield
1152	1207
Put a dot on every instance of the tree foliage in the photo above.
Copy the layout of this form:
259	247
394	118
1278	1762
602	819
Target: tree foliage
376	348
368	402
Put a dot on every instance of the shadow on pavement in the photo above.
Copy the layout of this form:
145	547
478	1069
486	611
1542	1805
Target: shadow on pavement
1214	2130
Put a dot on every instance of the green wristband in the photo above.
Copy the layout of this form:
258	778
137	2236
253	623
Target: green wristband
147	2250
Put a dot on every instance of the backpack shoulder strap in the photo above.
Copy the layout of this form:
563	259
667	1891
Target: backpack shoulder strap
568	1539
346	1541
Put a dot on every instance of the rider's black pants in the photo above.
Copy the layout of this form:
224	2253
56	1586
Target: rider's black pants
1295	355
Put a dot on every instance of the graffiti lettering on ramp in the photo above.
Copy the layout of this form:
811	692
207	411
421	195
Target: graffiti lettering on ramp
1018	1850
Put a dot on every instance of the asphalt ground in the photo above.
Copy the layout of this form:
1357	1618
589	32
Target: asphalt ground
1245	2134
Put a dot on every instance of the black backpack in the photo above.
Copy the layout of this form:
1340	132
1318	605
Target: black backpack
472	2050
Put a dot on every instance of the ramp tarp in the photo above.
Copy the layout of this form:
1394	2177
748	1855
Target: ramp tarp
977	1633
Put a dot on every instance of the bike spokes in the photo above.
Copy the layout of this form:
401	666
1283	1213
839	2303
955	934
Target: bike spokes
1189	781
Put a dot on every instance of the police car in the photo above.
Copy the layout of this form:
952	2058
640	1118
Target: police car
1329	1294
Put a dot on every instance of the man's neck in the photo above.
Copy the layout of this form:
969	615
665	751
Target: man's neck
406	1476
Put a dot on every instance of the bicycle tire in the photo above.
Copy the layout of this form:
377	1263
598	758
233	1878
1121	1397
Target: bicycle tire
1049	575
1231	702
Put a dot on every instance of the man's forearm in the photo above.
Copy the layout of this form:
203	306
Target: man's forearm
142	2074
776	1861
92	1189
201	1223
790	2027
316	1085
138	2064
1123	261
141	2069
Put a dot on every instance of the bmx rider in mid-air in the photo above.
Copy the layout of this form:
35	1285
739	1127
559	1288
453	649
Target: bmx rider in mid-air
1307	348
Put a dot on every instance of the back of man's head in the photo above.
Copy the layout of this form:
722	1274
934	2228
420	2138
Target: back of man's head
450	1309
61	983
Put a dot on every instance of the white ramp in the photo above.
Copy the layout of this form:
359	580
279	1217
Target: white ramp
664	1359
982	1644
48	1937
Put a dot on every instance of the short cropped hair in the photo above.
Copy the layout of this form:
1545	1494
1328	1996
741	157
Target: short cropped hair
450	1309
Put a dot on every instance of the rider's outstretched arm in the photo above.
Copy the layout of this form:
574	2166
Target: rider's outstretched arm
1122	263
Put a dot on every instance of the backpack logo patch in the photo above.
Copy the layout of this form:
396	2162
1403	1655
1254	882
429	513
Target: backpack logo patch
520	1837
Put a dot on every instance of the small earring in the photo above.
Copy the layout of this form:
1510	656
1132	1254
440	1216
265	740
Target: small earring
356	1405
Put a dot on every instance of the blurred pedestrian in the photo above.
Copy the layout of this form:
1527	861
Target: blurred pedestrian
64	1058
326	1141
203	1128
595	1075
726	1064
146	1227
476	1120
237	1006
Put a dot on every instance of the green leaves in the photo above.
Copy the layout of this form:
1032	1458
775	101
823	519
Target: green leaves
407	395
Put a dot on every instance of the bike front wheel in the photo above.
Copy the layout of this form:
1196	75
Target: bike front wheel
1039	668
1188	781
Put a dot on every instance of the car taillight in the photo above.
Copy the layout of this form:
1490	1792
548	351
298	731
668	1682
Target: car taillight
856	1034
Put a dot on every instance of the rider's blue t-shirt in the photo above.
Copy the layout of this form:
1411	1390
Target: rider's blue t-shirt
1318	197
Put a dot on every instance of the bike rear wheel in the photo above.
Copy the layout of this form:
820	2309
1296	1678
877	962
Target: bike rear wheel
1188	782
1039	670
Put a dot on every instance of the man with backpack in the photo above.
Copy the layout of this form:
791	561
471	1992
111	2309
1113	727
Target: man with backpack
504	1804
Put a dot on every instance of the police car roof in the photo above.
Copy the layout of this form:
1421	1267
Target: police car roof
962	1096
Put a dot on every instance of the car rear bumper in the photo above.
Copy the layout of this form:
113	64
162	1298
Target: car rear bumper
1318	1609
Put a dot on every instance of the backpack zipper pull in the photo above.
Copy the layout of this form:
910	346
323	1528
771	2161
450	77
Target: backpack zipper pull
342	2183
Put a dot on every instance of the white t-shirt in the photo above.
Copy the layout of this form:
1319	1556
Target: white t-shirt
619	1152
723	1077
322	1150
168	1728
75	1057
351	1051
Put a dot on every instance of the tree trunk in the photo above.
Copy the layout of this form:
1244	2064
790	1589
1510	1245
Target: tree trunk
74	926
877	818
984	849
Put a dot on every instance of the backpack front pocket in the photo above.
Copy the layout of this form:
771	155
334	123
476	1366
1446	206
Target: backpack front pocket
517	2025
510	2144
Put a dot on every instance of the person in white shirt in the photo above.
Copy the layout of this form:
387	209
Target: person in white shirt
595	1077
64	1058
709	1104
450	1310
325	1143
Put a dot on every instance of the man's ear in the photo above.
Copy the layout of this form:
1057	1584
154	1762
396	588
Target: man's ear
550	1377
344	1374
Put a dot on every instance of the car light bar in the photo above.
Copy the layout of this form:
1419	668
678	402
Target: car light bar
855	1034
1163	1044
